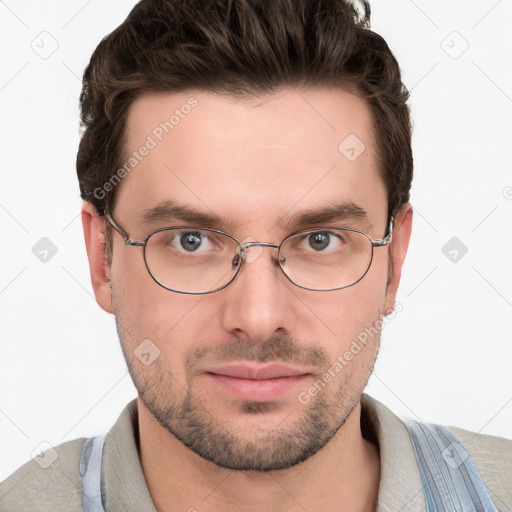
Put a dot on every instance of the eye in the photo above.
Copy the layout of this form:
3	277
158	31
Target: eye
320	241
192	241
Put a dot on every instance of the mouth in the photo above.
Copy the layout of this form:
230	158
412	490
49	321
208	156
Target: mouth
257	383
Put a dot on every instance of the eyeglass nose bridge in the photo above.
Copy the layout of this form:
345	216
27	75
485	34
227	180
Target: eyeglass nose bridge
247	245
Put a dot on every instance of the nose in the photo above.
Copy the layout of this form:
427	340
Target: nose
256	305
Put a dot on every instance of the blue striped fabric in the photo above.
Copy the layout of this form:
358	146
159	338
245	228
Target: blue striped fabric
90	472
451	481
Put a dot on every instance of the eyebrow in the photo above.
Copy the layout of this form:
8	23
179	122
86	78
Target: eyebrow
171	211
344	211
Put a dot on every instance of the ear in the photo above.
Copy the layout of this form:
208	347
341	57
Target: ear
398	248
94	233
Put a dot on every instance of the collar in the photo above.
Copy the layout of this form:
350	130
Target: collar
400	485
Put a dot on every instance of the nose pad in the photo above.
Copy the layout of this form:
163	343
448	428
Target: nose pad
251	250
236	260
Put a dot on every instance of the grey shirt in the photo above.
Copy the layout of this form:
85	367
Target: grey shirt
58	487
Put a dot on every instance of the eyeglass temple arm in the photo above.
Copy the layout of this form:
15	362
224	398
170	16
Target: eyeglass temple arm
389	235
120	230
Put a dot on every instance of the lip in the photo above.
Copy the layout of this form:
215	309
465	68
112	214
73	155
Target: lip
257	383
253	372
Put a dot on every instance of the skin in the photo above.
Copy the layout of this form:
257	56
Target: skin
254	161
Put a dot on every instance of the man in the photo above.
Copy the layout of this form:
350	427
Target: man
245	168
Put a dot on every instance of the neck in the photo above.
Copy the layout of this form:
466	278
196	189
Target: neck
343	475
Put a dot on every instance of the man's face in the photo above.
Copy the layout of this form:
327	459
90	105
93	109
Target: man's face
258	163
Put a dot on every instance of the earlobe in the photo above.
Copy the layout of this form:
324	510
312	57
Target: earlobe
398	248
94	230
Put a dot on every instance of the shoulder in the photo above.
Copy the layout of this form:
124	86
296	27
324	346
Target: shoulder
49	482
492	457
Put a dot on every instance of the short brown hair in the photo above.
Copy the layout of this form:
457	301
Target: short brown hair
240	48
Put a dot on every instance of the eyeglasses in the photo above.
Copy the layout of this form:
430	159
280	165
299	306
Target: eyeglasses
198	261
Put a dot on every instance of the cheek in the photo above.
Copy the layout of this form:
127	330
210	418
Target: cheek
352	310
153	321
355	310
145	310
375	281
134	294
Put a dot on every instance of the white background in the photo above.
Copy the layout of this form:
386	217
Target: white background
445	358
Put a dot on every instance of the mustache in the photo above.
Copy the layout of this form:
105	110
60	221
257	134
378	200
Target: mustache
277	348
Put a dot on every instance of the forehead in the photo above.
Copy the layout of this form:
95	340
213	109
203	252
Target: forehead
255	159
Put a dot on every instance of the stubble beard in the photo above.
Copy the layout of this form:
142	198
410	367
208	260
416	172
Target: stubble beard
183	413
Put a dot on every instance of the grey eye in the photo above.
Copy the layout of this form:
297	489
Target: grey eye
190	241
319	241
